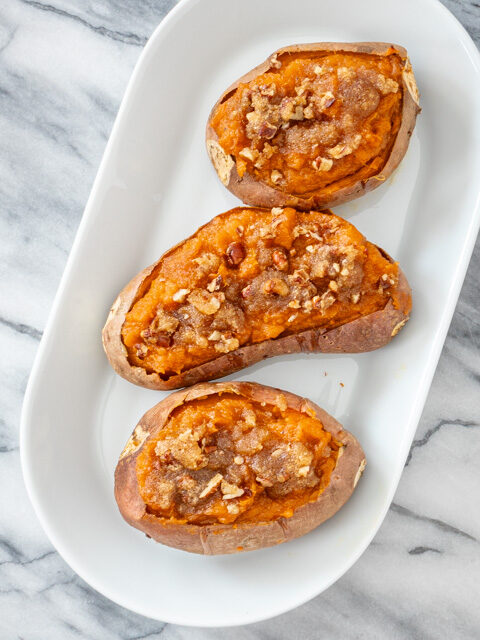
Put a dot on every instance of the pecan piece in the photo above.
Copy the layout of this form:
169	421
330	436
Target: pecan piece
267	130
141	350
276	176
276	286
247	291
205	302
279	259
235	254
160	339
215	284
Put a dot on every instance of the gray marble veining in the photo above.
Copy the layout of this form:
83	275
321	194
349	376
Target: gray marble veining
58	98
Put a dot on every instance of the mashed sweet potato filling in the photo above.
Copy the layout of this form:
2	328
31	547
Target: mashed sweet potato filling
224	459
318	119
251	275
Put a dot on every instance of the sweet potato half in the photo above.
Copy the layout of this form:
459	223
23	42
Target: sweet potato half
315	125
250	284
227	467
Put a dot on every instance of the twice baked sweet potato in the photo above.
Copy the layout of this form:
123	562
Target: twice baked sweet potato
235	466
315	125
250	284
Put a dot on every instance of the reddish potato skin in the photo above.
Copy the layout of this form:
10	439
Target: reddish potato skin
364	334
258	194
223	539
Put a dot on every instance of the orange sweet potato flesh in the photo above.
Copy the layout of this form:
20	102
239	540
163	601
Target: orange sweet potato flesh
253	275
348	107
225	459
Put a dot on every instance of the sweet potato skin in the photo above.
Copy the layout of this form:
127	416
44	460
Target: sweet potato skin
255	193
223	539
364	334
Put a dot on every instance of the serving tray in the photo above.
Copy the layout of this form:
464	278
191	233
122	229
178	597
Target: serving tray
155	186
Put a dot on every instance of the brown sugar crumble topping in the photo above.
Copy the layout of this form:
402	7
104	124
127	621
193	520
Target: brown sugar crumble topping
291	271
313	119
229	459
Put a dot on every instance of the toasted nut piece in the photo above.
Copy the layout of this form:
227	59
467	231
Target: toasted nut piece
230	490
247	153
333	285
141	350
267	130
235	254
212	485
180	295
264	482
268	89
215	284
227	344
322	164
308	112
205	302
247	291
280	259
276	286
276	176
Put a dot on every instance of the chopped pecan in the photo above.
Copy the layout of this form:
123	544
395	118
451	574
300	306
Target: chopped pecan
324	301
247	153
327	100
264	482
299	276
308	112
333	285
267	130
280	259
158	338
180	295
235	254
141	350
344	149
215	284
276	286
212	485
276	176
225	345
205	302
161	329
230	491
322	164
268	89
207	262
247	291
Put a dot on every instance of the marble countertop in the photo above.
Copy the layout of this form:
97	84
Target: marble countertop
420	577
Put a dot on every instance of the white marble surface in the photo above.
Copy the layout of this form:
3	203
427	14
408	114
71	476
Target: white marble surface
64	65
